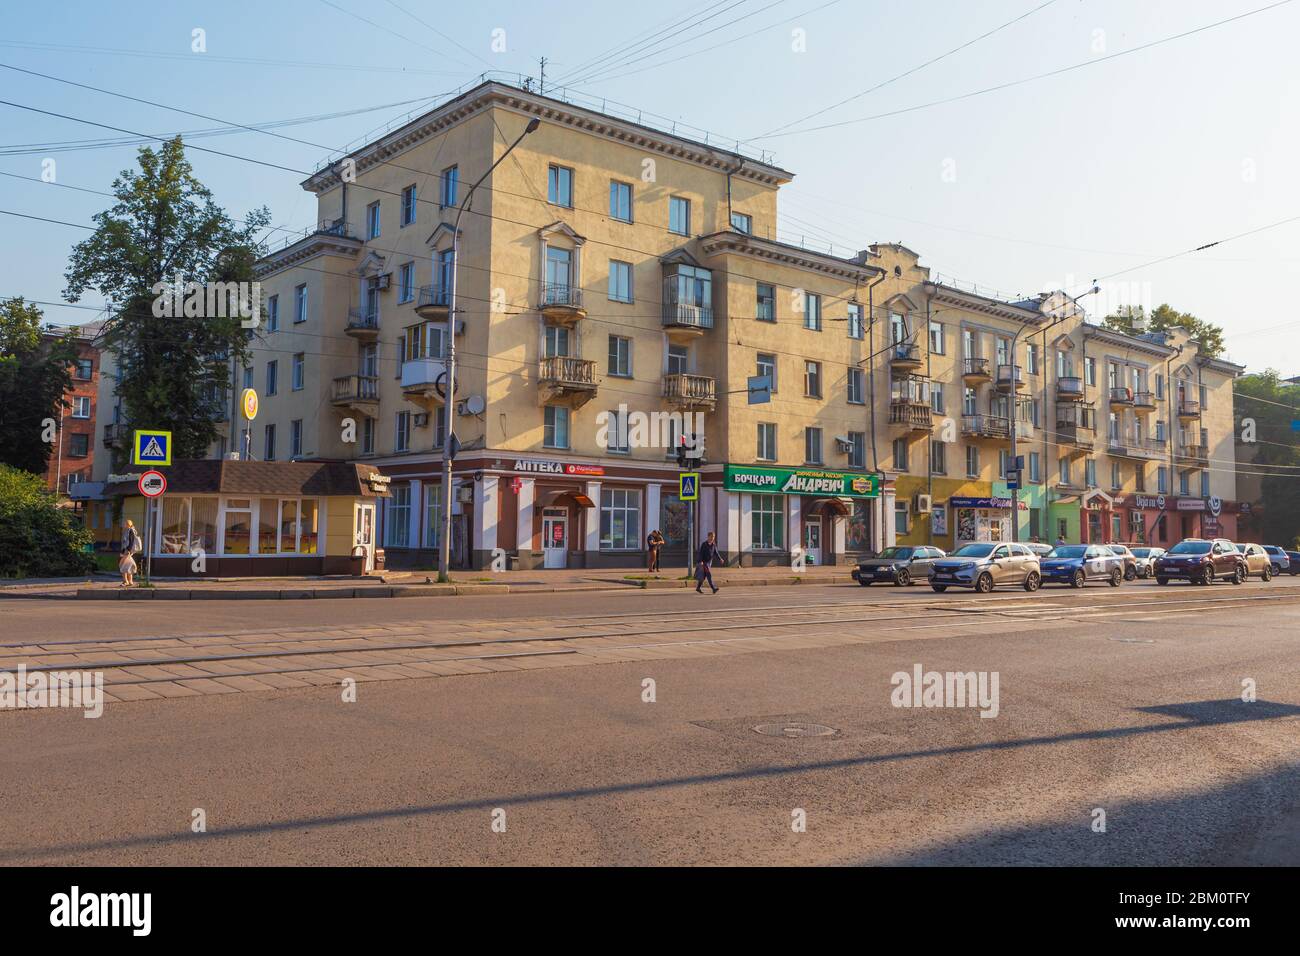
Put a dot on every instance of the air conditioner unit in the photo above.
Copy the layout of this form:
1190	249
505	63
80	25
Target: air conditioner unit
465	494
924	503
845	445
421	419
383	280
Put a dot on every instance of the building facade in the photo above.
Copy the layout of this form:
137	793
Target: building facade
73	457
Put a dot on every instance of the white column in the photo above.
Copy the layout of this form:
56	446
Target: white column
839	527
593	518
794	523
707	517
729	524
650	518
486	509
745	540
417	517
524	515
877	523
890	536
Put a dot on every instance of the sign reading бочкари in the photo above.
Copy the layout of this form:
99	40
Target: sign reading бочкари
800	481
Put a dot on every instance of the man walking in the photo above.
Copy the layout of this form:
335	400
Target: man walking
653	543
704	562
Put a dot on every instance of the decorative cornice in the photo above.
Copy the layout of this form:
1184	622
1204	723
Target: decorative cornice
741	244
1121	340
978	303
308	247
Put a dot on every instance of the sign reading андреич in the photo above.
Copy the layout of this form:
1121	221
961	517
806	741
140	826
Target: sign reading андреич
800	481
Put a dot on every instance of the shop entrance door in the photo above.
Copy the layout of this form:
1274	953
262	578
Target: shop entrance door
555	539
363	532
1094	527
812	542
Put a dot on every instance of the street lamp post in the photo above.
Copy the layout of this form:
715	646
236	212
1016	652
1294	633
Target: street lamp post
449	443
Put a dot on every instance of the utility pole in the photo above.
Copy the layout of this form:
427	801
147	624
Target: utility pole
542	81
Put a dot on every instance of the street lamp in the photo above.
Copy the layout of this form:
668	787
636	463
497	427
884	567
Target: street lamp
450	443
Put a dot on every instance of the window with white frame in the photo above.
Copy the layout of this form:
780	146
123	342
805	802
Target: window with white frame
742	222
372	220
300	303
406	282
938	343
620	519
299	370
766	441
402	432
449	187
972	461
616	438
679	359
295	438
679	215
900	454
812	380
766	367
81	406
1035	469
397	520
812	445
936	397
408	205
620	356
273	314
812	311
856	390
559	186
765	309
857	449
938	457
620	281
620	201
555	427
855	320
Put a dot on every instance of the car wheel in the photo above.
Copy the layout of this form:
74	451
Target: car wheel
903	578
1033	581
1239	575
865	583
1130	573
1160	580
1206	578
1267	574
1116	578
984	584
1077	579
939	588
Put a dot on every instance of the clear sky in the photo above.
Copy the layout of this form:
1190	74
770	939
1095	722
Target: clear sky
1048	183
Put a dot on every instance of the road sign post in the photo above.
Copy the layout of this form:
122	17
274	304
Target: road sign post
152	484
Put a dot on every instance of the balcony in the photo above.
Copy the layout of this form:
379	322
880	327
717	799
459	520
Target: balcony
432	302
1010	378
1076	428
363	324
1193	454
905	357
975	371
117	436
683	320
1130	446
562	304
1121	397
568	380
985	426
359	392
424	380
1144	401
1069	388
1188	411
690	391
913	416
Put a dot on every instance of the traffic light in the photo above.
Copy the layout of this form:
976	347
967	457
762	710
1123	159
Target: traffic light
690	451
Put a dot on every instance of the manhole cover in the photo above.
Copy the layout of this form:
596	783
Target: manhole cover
794	728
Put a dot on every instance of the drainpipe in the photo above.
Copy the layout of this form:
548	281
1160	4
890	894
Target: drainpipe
929	456
871	390
730	173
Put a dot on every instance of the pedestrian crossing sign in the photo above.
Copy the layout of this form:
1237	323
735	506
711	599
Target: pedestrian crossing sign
151	448
688	486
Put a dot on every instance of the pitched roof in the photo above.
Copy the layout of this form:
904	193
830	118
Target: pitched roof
212	476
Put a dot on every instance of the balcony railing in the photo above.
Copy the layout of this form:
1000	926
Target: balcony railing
975	368
1188	408
362	318
432	297
986	426
116	434
683	315
1069	388
1133	447
1009	376
912	415
683	389
1144	400
1121	396
1194	452
563	370
905	355
356	388
561	296
913	390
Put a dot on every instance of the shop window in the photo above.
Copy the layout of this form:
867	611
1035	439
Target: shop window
620	519
397	524
433	516
768	513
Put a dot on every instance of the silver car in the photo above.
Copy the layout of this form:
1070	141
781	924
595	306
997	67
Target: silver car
986	565
1146	560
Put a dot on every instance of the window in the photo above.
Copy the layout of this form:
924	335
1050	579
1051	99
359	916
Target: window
1160	431
248	376
556	341
616	439
1160	385
897	327
620	519
368	436
1202	395
1002	347
268	452
857	449
1162	480
559	273
397	523
812	445
406	282
1034	413
766	366
856	391
900	454
295	438
402	432
432	516
444	264
620	201
449	187
936	398
408	205
78	446
679	360
1064	366
300	304
812	379
938	344
1035	469
1063	470
766	309
85	369
938	457
1031	359
972	461
1004	463
555	429
273	314
900	517
81	406
620	356
1184	483
970	344
1090	371
372	220
768	512
299	361
812	311
559	186
1140	478
1116	478
742	223
766	441
679	215
1090	473
620	281
969	403
271	377
855	320
1205	484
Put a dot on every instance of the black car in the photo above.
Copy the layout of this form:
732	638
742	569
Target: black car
1294	569
901	565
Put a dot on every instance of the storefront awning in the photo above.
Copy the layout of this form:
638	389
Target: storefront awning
561	499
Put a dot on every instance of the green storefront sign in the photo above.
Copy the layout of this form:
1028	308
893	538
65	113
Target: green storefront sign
800	481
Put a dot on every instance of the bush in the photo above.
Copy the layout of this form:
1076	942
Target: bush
38	539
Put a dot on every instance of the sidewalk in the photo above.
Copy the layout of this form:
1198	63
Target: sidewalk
409	584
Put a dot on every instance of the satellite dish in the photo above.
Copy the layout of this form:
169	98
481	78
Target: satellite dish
475	405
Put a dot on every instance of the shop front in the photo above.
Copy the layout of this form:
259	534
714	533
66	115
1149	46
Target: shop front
981	519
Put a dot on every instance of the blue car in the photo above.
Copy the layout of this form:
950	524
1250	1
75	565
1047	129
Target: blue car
1294	557
1077	564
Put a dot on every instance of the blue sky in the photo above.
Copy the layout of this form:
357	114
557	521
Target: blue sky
1044	184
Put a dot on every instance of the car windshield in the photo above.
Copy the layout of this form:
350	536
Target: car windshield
1191	547
1069	551
1142	552
974	551
896	553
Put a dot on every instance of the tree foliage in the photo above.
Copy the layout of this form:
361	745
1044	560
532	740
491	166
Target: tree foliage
1131	319
1273	404
35	372
38	538
173	372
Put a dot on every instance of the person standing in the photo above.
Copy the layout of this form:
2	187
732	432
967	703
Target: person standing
704	563
653	542
131	546
1060	540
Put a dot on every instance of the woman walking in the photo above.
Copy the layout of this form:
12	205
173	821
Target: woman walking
131	546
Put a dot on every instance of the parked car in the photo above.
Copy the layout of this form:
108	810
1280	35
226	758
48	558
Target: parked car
1130	560
986	565
1295	562
1200	561
1257	561
1077	564
901	565
1039	548
1146	559
1280	559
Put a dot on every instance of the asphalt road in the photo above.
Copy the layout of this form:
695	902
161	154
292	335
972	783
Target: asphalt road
530	712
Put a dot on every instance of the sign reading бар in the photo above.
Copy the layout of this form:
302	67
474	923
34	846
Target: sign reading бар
791	481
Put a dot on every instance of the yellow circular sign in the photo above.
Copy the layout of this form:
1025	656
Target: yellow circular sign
249	402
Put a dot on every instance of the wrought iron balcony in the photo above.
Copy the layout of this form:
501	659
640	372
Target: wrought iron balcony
431	301
1069	388
1121	397
975	370
905	357
1188	409
363	324
1010	377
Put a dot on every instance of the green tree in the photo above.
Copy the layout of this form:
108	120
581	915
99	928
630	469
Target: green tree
173	372
1273	404
35	372
1129	319
37	537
